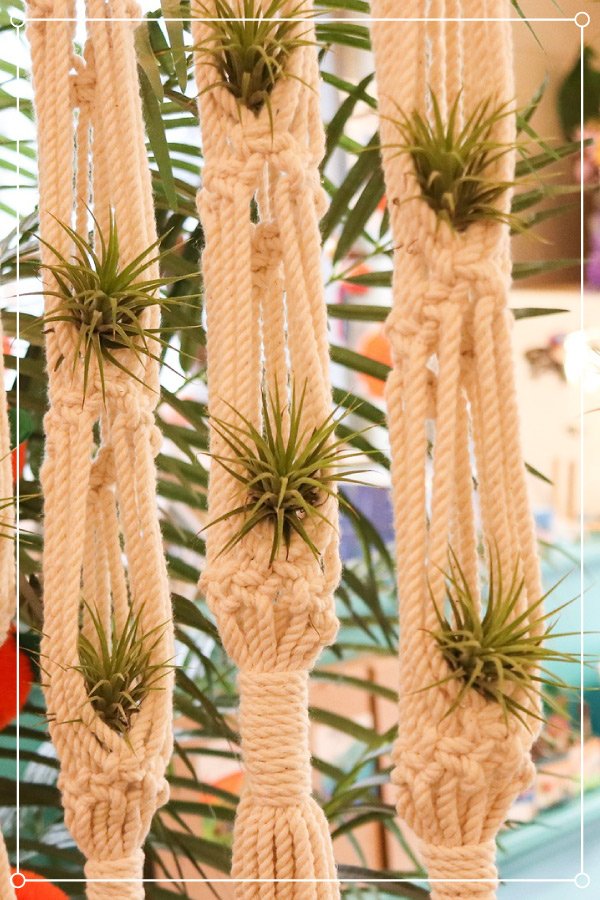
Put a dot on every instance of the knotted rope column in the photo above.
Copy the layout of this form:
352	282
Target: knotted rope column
7	572
457	774
266	321
88	114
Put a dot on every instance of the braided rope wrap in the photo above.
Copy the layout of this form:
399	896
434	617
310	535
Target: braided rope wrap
452	379
101	499
266	320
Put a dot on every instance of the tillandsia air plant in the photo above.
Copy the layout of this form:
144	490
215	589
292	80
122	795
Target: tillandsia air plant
106	301
501	653
286	474
118	669
454	163
250	44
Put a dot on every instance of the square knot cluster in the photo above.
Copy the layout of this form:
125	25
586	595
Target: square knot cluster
83	82
245	154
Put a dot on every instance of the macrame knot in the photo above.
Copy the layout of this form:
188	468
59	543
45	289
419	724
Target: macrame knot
249	149
100	872
67	410
274	723
83	83
402	331
131	411
236	579
102	473
266	249
473	745
469	861
462	270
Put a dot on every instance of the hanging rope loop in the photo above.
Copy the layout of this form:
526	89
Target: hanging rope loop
98	474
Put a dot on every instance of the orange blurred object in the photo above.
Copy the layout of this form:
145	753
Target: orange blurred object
359	269
37	888
231	783
8	679
18	458
374	345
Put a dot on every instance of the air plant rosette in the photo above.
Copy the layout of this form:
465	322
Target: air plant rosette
119	668
251	45
454	163
288	472
500	652
107	303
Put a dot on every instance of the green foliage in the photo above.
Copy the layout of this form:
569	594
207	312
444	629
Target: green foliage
105	301
118	669
569	94
502	654
249	47
286	475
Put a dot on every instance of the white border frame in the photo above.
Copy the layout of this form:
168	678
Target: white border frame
581	879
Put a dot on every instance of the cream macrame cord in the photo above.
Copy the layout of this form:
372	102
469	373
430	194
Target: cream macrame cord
88	112
449	328
267	328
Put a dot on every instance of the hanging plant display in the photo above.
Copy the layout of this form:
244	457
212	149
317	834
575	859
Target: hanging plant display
473	665
272	555
108	636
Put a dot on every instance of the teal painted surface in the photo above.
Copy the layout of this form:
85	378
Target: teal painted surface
550	848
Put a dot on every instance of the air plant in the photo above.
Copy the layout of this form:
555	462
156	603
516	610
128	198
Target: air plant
501	653
106	301
286	474
454	164
249	46
118	670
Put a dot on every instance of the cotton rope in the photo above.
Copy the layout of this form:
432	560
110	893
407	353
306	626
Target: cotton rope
452	381
7	571
89	119
266	324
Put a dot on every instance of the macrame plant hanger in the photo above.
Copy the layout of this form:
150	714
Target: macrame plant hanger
267	330
7	572
452	381
96	496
